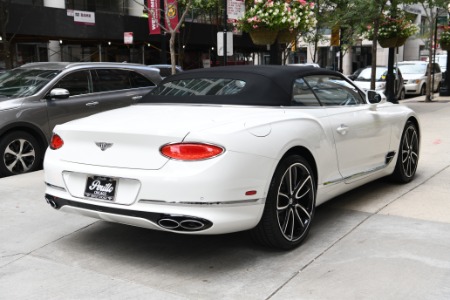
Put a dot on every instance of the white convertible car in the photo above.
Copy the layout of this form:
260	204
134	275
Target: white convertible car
227	149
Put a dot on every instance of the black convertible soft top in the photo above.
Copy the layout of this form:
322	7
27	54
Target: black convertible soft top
268	85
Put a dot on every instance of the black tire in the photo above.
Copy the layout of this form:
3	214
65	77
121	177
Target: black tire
423	90
289	207
20	153
408	155
402	95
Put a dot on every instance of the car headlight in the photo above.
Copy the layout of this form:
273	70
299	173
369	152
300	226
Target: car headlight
414	81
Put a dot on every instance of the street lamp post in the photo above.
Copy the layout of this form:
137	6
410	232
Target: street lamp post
390	77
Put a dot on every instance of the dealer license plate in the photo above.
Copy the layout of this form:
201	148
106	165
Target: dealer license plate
100	188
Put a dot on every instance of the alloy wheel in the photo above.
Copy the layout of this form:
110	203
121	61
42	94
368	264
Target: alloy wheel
295	202
19	156
409	151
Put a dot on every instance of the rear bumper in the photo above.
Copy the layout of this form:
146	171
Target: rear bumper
186	219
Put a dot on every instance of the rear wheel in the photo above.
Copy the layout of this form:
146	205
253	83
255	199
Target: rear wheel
20	153
290	205
408	156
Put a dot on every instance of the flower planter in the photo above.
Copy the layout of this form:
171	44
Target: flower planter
263	36
388	43
392	42
286	36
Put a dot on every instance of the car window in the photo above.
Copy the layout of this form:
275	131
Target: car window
302	95
111	80
138	80
77	83
200	87
24	82
413	68
333	90
366	74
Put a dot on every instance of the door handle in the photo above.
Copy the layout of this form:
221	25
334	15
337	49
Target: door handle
136	97
94	103
343	129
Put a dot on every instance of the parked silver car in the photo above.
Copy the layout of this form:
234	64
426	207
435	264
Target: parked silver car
415	75
36	97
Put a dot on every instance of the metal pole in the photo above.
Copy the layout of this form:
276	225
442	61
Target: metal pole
390	77
434	53
225	18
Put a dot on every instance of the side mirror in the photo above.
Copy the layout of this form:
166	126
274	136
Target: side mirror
373	97
59	94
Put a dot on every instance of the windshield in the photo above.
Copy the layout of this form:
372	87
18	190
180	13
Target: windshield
24	82
413	68
366	74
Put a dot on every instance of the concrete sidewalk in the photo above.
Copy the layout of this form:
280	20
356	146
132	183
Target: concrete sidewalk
381	241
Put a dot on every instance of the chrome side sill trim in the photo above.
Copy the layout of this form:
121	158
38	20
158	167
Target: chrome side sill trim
227	203
389	158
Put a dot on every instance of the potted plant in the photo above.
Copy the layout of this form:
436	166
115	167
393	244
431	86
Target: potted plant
444	40
299	17
264	19
393	31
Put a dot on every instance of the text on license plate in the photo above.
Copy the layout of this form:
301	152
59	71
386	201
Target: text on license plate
101	188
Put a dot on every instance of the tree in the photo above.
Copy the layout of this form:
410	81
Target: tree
354	17
322	11
169	29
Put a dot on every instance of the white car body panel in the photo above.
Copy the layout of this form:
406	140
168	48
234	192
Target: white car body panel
254	138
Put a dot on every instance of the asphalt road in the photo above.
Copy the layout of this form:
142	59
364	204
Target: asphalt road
381	241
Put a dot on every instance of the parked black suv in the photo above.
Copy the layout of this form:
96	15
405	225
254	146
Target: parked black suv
36	97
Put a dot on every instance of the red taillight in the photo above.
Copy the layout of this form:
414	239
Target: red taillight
191	151
56	142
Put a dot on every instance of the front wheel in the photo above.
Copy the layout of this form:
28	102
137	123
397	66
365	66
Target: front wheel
408	156
423	90
290	205
20	153
402	95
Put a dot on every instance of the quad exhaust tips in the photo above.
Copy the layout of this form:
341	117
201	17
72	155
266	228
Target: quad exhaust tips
183	223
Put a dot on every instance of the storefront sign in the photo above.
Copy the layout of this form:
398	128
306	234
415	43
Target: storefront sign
84	17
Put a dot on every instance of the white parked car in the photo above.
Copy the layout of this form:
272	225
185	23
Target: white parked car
226	149
415	76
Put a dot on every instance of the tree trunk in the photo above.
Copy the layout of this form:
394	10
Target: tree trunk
429	84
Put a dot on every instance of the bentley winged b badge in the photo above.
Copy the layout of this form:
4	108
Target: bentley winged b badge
103	146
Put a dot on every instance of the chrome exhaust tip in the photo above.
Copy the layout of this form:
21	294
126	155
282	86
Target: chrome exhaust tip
51	203
192	225
183	223
168	224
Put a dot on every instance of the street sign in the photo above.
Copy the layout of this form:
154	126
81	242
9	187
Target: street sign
220	45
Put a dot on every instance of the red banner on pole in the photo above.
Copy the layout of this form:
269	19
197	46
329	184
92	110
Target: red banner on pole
154	16
171	14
